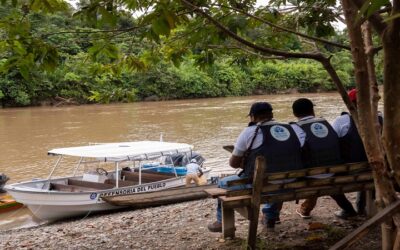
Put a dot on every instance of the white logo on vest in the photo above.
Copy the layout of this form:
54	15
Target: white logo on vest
280	133
319	130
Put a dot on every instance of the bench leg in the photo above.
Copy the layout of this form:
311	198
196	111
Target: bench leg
254	213
228	222
370	207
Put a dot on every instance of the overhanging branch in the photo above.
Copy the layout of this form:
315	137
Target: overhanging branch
316	56
321	40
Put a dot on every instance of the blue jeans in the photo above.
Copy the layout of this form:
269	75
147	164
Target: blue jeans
271	210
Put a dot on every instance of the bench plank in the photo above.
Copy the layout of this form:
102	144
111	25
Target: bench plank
344	168
215	192
333	181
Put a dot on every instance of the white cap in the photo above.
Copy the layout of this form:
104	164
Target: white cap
193	161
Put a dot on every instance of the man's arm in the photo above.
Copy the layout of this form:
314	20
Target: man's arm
200	172
341	125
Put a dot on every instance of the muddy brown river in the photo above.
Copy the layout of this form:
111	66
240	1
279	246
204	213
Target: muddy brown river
26	134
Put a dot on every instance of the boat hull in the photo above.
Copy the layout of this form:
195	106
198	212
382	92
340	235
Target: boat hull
53	205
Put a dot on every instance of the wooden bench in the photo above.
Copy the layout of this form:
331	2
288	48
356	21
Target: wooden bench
348	178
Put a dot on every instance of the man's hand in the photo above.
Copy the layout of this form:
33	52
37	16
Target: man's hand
236	161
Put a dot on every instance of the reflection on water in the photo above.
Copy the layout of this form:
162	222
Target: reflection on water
26	134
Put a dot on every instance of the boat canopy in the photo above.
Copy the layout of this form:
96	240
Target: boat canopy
124	151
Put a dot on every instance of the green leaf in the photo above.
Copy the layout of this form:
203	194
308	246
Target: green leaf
370	7
160	26
19	48
107	17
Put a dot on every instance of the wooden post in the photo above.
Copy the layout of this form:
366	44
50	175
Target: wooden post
254	210
380	217
370	207
228	222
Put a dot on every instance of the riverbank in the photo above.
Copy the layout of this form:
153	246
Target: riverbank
184	226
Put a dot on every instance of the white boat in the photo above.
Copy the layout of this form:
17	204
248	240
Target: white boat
142	166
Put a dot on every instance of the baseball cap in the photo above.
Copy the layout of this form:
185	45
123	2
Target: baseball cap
352	95
260	108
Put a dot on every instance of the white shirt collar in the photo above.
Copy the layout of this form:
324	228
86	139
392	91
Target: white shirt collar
307	117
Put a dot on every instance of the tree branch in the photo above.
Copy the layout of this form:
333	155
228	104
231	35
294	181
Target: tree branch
321	40
369	49
249	52
326	62
316	56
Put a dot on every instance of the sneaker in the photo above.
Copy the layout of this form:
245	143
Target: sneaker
264	220
215	227
342	214
304	216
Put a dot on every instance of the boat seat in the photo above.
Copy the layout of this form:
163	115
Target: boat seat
121	183
158	173
146	177
69	188
89	184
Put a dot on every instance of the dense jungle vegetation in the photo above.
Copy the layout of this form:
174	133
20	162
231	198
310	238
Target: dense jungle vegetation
134	68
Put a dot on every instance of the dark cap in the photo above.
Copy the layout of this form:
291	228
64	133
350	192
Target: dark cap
260	108
302	107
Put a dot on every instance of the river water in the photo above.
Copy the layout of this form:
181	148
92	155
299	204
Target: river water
26	134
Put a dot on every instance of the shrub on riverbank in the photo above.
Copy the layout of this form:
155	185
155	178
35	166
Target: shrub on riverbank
90	83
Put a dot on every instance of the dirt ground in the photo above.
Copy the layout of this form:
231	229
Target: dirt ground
184	226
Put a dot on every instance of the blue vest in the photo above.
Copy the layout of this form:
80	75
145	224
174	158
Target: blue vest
321	147
351	145
280	147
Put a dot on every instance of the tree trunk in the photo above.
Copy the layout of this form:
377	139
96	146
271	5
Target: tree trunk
391	131
387	227
366	123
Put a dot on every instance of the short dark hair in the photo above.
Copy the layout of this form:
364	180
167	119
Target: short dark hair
303	107
260	108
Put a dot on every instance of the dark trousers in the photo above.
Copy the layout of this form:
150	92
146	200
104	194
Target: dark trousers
308	205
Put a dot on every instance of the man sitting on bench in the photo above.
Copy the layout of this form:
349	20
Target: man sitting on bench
279	143
321	148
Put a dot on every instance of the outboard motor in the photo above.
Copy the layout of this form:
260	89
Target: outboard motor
3	180
182	159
